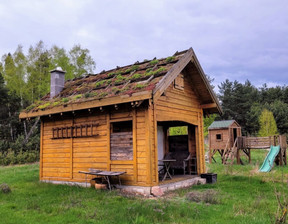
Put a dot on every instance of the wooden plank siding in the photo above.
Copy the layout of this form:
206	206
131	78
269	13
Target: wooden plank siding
183	105
62	159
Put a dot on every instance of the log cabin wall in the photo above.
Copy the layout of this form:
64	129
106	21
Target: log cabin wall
61	159
218	138
182	104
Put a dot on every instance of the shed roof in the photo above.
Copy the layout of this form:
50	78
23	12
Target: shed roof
221	124
135	82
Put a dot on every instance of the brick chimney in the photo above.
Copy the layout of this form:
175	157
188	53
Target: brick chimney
57	81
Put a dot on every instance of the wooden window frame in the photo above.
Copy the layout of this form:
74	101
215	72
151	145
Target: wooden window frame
132	131
179	82
219	139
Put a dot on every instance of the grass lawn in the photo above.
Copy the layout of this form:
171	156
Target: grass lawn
242	196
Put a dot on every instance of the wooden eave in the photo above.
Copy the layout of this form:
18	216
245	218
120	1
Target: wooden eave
172	74
139	96
235	122
211	105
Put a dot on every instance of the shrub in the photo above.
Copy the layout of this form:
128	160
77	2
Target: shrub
111	74
30	107
55	103
65	100
43	106
102	95
159	70
169	59
136	76
139	86
11	157
77	96
87	95
5	188
115	90
119	79
149	70
154	62
132	68
100	83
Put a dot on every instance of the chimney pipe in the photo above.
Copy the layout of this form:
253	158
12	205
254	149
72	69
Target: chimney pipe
57	81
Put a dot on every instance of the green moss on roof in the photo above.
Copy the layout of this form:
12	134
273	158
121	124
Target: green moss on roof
154	62
221	124
118	81
169	59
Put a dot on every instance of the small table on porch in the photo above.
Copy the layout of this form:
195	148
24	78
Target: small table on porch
167	164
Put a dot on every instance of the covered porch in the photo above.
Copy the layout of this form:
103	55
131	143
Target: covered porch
177	151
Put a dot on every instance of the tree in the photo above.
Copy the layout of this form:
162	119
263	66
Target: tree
252	124
208	121
81	60
38	72
236	100
59	58
280	109
268	125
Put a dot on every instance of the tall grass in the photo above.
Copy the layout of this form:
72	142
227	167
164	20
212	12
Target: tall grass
241	195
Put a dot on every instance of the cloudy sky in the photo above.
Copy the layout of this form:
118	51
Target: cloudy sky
233	39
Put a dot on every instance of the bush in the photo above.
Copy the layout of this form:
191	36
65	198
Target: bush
5	188
11	157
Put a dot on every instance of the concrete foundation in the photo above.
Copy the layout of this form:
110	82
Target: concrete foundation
145	191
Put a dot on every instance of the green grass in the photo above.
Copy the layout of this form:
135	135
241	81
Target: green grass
243	196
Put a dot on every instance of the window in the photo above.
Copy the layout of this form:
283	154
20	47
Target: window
181	130
121	141
179	82
218	137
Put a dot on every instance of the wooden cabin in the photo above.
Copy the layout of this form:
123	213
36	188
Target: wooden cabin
222	136
117	120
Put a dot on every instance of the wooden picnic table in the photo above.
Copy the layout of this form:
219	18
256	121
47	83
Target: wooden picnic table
105	174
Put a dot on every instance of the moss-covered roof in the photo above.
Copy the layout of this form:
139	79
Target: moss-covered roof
127	80
135	82
221	124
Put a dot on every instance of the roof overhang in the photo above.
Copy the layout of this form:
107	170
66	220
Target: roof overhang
190	64
89	104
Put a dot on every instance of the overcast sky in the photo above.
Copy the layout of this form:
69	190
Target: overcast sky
233	39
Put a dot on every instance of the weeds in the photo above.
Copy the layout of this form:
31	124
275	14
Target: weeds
209	196
170	59
43	106
153	62
132	68
65	100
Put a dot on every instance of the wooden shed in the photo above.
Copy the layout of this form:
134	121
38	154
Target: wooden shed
117	120
222	136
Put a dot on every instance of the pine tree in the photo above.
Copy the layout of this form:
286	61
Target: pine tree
268	125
